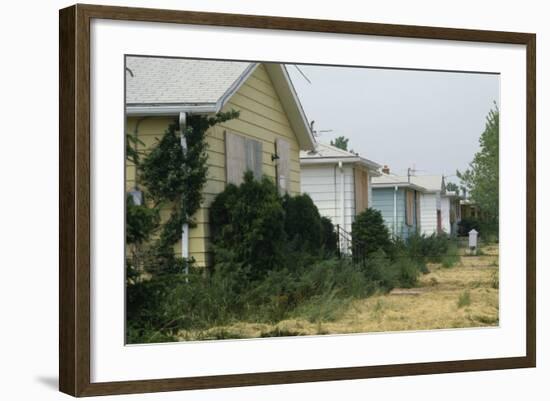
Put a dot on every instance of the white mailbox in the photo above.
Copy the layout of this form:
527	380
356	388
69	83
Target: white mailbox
472	239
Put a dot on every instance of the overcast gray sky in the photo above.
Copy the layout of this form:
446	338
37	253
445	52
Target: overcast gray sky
402	118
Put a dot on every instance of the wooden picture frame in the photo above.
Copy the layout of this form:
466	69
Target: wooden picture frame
74	203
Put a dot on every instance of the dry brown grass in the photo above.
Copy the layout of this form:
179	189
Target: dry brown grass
434	304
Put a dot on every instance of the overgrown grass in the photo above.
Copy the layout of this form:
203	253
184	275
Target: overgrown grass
451	257
306	288
464	299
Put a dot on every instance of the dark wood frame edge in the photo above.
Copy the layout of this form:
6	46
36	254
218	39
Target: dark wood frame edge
74	199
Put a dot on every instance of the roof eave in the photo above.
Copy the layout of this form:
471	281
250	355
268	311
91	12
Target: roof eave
291	104
399	185
169	109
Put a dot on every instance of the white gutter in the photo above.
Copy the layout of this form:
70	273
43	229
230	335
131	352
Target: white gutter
395	210
185	228
400	184
371	166
170	109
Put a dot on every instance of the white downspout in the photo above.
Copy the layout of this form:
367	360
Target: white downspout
395	211
185	228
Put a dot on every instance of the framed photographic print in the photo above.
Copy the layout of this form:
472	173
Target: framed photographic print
250	200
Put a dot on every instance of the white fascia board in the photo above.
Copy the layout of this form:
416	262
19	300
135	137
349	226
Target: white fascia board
400	185
235	86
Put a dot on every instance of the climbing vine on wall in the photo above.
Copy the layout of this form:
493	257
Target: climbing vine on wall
173	177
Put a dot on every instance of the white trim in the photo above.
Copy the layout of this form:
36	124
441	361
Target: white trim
400	185
372	166
235	86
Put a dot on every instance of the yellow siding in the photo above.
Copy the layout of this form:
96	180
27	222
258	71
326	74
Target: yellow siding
262	117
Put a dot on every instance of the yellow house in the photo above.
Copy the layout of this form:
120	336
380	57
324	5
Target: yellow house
266	137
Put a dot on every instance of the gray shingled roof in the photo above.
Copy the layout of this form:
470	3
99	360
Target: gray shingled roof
430	183
155	80
325	153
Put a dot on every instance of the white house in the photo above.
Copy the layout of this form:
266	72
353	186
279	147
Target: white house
431	219
338	182
450	212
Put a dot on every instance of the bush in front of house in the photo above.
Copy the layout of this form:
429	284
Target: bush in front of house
370	233
426	248
329	238
249	220
266	231
306	230
302	223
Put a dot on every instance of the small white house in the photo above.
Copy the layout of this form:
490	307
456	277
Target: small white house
338	182
431	219
450	212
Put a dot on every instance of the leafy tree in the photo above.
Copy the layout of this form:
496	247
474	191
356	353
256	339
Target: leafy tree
452	187
369	231
340	142
481	179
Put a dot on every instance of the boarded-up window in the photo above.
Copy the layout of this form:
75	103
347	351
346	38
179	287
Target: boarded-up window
361	178
283	165
410	207
242	154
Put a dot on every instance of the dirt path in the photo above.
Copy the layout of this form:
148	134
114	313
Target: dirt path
465	295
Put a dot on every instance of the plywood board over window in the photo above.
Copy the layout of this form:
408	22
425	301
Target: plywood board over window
410	207
242	154
283	165
361	178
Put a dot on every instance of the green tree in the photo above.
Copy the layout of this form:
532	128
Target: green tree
452	187
369	231
340	142
481	178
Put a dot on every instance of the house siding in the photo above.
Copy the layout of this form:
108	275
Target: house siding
446	215
322	183
262	118
383	200
428	213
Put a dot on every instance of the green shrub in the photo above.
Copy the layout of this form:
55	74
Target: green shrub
379	269
407	272
141	221
303	224
369	232
424	248
249	220
329	238
452	257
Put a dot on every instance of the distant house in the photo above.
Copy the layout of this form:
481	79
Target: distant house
431	219
399	200
338	181
266	138
450	212
469	209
